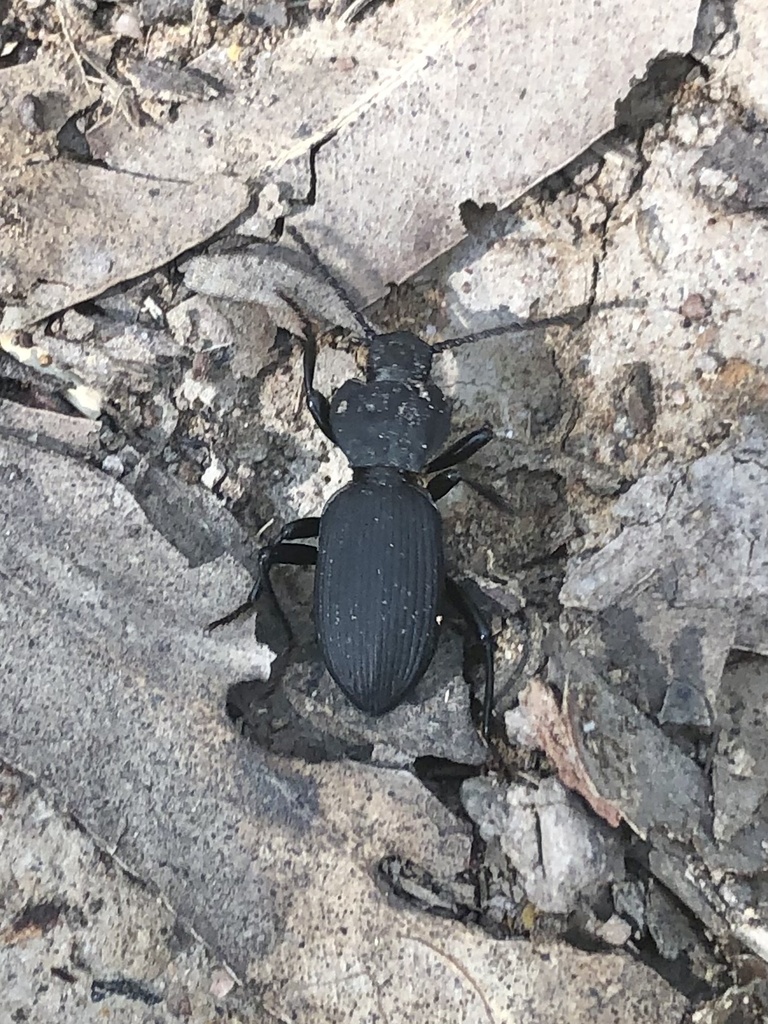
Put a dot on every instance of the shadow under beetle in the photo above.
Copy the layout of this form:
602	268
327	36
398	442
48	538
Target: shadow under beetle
380	581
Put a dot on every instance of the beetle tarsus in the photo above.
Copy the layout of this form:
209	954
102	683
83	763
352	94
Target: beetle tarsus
240	612
281	553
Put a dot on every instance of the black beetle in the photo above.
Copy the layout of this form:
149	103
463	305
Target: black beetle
380	579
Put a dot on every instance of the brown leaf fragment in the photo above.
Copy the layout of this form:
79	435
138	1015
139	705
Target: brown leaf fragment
554	731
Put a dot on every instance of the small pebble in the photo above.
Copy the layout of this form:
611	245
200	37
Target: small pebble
127	24
687	128
214	474
113	465
344	63
269	14
707	363
520	729
29	113
695	307
615	931
222	984
86	400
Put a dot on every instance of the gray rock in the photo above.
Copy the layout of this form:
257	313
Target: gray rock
564	855
154	11
682	580
70	434
740	771
732	172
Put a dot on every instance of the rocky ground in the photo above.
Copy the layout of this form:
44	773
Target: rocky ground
192	830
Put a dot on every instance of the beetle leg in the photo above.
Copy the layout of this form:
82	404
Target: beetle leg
468	609
315	400
274	554
461	450
441	484
300	529
317	403
277	553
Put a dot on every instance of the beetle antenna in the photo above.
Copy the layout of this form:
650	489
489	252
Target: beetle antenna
328	277
566	320
573	318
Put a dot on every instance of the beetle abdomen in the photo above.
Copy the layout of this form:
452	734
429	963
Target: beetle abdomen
378	585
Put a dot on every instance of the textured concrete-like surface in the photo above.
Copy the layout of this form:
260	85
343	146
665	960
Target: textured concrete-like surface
419	108
80	941
112	700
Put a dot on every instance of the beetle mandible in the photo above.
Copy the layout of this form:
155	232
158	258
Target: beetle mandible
380	579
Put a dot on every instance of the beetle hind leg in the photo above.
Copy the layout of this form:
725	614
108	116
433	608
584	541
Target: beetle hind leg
471	613
280	552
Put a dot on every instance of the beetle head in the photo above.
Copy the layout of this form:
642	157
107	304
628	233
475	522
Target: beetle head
399	356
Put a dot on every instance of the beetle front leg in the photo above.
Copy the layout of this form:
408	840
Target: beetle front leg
318	405
470	612
316	401
461	450
278	553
